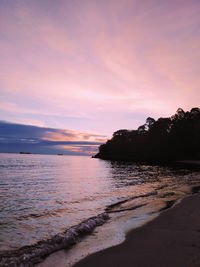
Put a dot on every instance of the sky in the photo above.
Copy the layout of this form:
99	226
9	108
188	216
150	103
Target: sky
15	138
94	67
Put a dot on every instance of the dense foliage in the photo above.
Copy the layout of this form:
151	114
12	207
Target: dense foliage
177	137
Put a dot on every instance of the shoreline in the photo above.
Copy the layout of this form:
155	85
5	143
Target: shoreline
171	239
55	248
65	258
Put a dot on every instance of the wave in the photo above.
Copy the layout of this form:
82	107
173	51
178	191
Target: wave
30	255
110	207
126	209
40	215
168	205
167	194
16	165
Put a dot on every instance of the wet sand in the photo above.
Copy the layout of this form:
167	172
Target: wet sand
172	239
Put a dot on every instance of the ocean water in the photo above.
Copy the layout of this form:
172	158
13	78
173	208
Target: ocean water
44	195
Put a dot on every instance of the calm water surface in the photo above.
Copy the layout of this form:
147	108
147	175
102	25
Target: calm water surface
41	195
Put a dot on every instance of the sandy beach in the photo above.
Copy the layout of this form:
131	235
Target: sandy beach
172	239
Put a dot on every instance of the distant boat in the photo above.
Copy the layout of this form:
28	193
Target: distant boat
24	152
60	154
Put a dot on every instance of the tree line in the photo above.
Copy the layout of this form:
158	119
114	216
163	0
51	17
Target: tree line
166	139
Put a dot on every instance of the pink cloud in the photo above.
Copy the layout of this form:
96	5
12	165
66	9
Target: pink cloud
69	135
88	60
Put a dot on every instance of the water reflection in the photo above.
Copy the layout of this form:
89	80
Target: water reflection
43	195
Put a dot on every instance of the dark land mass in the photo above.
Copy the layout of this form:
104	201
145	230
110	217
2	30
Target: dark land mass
163	140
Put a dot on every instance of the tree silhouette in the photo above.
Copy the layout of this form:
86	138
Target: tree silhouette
165	139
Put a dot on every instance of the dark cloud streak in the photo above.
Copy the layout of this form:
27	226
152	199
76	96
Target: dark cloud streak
15	138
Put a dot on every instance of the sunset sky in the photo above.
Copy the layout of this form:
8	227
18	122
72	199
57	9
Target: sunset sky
95	66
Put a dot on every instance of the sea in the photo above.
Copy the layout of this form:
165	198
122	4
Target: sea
48	196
